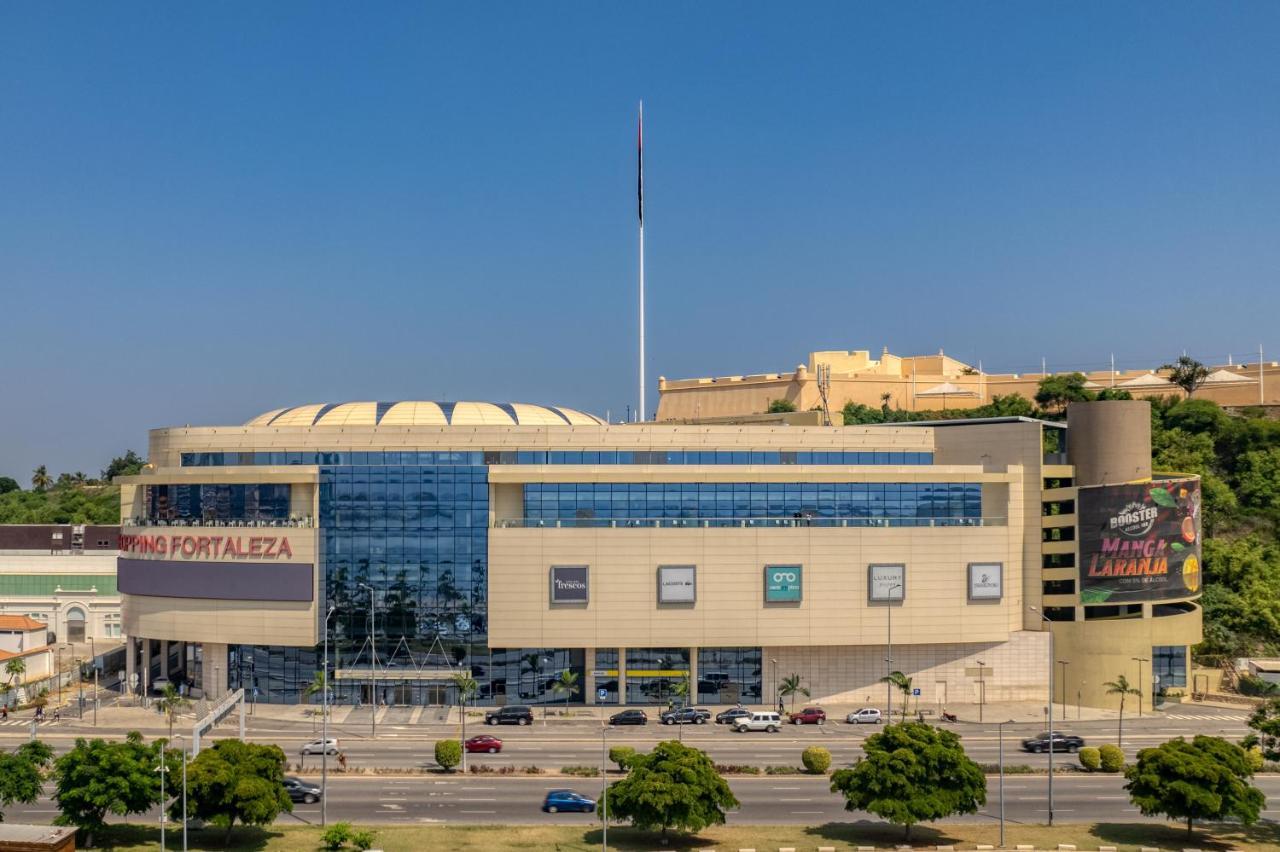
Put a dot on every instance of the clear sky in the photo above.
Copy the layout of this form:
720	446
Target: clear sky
211	210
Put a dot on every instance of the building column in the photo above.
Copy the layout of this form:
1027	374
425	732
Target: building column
130	663
622	676
589	681
164	658
213	679
692	697
145	678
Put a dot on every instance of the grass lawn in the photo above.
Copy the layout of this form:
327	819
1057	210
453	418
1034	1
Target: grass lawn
765	838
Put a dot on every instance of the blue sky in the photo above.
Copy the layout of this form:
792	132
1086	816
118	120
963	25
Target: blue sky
209	211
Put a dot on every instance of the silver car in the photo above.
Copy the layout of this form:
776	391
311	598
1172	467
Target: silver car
865	716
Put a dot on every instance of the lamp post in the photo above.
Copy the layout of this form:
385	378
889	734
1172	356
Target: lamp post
775	680
604	788
324	737
373	665
1000	726
163	815
57	671
982	696
80	688
888	655
1045	619
1064	664
93	652
1140	661
184	790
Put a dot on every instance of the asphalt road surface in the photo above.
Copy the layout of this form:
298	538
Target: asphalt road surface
776	800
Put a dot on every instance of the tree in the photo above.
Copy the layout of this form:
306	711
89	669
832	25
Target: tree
566	684
903	685
1265	722
673	786
22	774
234	780
467	687
681	689
317	686
1054	392
790	687
40	480
1187	373
1259	478
1120	686
97	778
126	465
171	703
15	668
621	755
1205	779
911	773
8	484
781	406
1114	393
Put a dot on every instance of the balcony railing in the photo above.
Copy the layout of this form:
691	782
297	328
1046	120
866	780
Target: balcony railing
220	522
741	523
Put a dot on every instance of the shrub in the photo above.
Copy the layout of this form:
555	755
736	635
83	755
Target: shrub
1111	758
583	771
1009	769
737	769
620	755
1248	684
448	754
816	759
1090	759
481	769
782	770
1255	758
336	835
532	770
362	840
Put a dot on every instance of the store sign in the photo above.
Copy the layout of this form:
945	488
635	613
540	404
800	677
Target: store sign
783	583
677	584
185	546
1139	542
570	584
986	581
886	582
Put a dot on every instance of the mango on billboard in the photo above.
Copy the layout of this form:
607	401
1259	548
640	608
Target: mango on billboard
1139	542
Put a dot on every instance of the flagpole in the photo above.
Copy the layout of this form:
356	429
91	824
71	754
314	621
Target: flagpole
640	198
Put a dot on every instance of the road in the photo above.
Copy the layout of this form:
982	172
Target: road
776	800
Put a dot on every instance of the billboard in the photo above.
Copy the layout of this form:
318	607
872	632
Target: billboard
986	581
1139	542
886	582
570	584
783	583
677	584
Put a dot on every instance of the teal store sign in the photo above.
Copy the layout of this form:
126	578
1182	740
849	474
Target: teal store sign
782	583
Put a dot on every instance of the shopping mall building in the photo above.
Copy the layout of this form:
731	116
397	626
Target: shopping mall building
515	542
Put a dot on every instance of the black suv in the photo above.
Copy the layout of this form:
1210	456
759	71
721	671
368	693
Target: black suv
516	714
629	717
733	714
1061	742
685	716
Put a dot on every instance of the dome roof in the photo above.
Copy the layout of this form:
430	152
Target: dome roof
425	414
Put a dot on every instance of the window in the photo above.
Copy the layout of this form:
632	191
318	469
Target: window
1059	587
1169	666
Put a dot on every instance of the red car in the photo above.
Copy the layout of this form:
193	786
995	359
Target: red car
809	716
484	743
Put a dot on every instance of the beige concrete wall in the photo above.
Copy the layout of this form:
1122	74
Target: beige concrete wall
221	621
730	610
946	673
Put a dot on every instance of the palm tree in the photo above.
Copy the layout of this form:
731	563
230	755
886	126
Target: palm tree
565	684
171	702
467	687
40	478
1120	686
681	689
903	683
317	686
791	686
15	669
79	478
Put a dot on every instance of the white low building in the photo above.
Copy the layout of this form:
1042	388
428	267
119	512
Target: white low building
64	576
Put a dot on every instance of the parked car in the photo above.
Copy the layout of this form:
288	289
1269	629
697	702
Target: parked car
733	714
865	716
629	717
685	716
301	791
767	721
484	744
809	716
567	800
512	714
329	746
1061	742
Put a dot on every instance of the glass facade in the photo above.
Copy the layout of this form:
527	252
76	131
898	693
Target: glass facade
593	457
729	675
1169	666
653	672
217	502
747	500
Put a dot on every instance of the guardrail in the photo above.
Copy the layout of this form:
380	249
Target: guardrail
221	522
740	523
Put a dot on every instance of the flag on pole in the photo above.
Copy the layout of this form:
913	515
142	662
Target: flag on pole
640	164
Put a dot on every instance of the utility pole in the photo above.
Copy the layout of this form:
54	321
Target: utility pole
1141	690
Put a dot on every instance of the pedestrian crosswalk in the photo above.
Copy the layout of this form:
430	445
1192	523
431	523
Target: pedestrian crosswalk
26	723
1199	717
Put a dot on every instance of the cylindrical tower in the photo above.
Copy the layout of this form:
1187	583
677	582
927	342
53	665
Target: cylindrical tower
1109	441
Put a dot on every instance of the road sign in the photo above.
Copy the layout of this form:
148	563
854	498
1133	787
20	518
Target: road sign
133	680
916	691
602	694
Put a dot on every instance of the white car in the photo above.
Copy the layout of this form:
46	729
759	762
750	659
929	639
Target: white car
329	746
865	716
770	722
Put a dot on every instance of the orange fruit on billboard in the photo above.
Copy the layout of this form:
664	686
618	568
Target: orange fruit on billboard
1191	574
1189	529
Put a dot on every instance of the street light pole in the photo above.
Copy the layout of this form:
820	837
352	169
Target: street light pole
604	789
982	696
1140	661
163	815
93	652
324	737
1064	664
58	671
1000	726
373	665
184	790
775	680
1045	619
888	657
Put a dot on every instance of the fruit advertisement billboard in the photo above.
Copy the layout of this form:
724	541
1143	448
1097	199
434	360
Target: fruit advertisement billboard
1139	542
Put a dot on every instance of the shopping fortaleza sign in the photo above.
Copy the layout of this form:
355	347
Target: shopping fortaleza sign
187	546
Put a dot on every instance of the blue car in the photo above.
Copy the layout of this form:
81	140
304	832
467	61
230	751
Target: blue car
567	801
